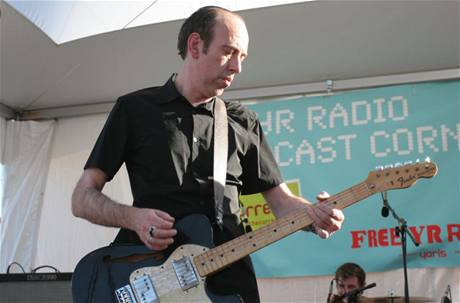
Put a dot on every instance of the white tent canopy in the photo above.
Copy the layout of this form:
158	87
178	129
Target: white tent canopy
294	49
303	43
64	21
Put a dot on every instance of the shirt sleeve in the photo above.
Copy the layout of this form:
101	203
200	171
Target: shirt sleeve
260	170
109	150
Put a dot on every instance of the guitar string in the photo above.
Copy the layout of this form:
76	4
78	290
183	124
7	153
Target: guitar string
260	239
341	200
285	224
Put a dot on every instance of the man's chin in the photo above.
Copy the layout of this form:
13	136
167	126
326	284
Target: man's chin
219	91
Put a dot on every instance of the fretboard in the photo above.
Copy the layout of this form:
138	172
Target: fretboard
223	255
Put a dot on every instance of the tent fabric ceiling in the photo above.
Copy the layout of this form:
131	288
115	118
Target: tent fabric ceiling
297	43
64	21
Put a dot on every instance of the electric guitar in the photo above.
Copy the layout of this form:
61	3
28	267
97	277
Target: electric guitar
135	274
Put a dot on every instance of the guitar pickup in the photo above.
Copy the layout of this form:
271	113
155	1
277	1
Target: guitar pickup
125	295
185	273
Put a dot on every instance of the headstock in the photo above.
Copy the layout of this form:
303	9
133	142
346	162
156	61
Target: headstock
401	176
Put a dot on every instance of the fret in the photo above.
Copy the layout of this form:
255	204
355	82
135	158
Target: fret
217	258
248	243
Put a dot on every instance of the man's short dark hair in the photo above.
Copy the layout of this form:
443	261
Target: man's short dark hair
347	270
202	22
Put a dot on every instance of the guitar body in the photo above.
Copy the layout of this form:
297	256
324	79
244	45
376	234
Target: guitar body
102	272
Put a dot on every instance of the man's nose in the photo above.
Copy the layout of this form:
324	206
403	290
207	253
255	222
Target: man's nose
235	64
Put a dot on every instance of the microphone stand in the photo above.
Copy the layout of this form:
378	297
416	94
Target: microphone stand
329	295
402	230
352	296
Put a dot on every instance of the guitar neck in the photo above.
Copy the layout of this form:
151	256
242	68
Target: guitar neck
223	255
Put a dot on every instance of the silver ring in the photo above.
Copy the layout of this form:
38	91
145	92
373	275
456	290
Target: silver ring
152	231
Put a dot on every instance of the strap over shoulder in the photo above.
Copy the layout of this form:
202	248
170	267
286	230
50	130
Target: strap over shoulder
220	157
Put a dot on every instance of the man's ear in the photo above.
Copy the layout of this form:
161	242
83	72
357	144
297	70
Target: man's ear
194	44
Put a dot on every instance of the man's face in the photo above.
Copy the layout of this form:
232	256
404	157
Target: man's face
219	64
347	285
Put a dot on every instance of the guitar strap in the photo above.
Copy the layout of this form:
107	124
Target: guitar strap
220	158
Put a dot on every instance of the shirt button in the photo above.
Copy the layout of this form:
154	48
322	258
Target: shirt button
195	139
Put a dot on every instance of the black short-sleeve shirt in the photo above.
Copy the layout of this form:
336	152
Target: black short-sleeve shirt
167	145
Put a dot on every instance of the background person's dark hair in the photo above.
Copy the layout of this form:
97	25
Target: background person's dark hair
347	270
202	22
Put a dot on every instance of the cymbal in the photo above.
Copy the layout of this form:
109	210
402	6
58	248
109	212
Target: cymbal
394	300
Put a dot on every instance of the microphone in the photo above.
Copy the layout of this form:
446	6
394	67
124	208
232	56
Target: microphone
445	298
330	291
357	291
385	210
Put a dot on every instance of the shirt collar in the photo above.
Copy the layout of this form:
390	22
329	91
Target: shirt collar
168	92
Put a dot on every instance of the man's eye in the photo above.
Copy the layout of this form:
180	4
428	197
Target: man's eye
228	52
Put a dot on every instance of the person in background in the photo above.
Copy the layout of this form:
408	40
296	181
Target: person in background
348	277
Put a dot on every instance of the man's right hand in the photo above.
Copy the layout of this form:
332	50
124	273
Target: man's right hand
90	203
154	227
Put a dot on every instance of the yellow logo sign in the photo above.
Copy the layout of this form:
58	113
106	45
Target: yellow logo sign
257	210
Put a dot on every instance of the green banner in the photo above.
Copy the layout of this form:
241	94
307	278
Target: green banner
332	142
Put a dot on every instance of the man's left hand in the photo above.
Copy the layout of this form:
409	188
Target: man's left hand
326	220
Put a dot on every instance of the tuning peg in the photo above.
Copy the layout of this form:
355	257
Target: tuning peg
398	164
427	160
379	168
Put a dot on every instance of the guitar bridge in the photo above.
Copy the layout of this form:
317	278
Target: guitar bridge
125	295
143	288
185	273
